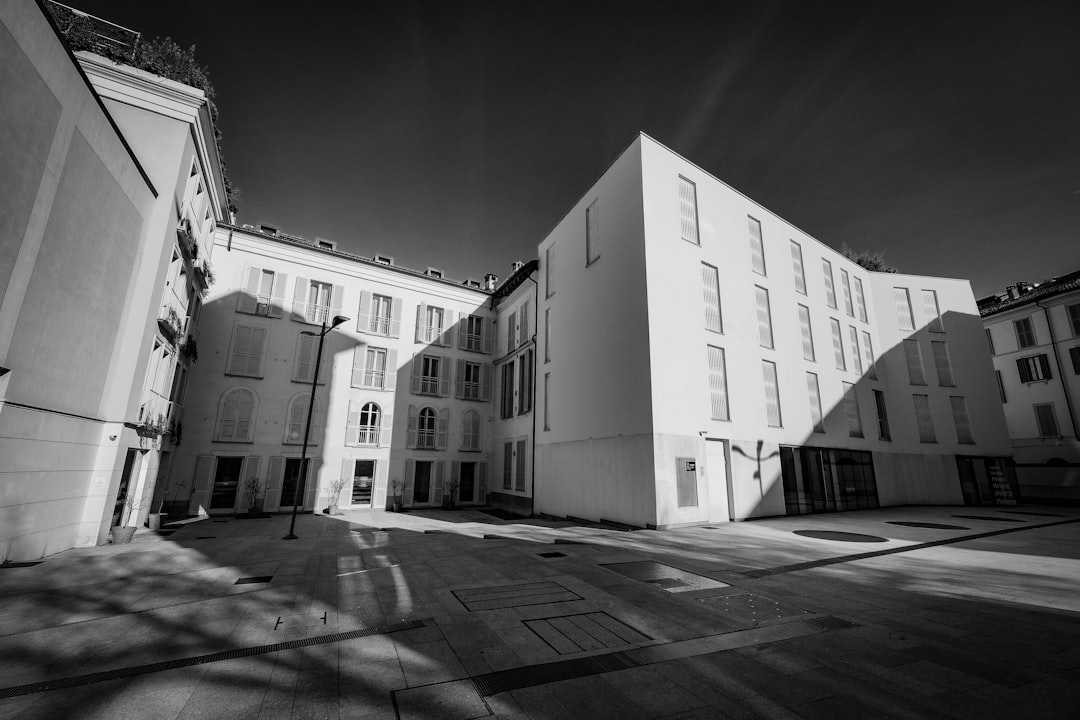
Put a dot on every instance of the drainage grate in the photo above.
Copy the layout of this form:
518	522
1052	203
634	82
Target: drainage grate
510	596
828	622
254	579
78	680
518	678
664	576
750	609
551	554
5	566
569	634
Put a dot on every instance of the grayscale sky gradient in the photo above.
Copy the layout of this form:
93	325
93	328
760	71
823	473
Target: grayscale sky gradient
455	135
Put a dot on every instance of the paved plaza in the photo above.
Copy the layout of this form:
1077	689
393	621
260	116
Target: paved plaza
895	613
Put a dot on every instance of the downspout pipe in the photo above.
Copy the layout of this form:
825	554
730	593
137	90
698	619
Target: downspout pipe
1061	373
536	359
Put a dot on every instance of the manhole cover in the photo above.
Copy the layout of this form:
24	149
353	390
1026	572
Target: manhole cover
932	526
569	634
992	518
840	536
750	609
664	576
508	596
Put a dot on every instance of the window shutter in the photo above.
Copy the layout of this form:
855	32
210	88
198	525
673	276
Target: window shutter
845	285
868	353
486	333
860	299
305	359
246	303
348	467
417	366
444	377
421	323
1074	355
363	313
814	392
311	482
481	479
511	331
256	346
523	325
925	419
299	303
277	295
1044	363
352	423
933	314
459	387
942	364
407	485
688	211
386	430
757	247
273	482
710	284
390	381
764	318
201	485
337	296
294	423
830	291
838	345
245	410
437	484
446	339
395	317
455	478
916	376
227	425
961	420
462	323
797	267
414	413
441	429
1022	368
485	380
807	334
238	360
359	353
250	469
520	466
856	357
903	308
851	409
772	393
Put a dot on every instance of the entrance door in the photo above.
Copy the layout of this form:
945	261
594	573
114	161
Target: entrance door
422	482
467	482
226	483
363	481
818	479
292	487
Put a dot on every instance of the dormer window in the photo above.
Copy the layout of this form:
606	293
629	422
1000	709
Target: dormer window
433	272
383	259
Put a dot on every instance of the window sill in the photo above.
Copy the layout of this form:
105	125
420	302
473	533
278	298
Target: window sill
247	375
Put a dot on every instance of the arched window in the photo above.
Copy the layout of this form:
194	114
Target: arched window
236	416
296	420
425	429
470	430
370	421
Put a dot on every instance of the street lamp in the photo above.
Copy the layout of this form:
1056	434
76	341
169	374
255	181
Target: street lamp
307	426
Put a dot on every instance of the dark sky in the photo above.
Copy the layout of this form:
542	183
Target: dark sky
456	135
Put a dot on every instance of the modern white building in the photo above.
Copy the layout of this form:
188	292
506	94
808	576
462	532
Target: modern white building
1034	334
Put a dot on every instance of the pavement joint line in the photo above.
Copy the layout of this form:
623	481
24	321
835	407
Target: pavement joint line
135	670
809	565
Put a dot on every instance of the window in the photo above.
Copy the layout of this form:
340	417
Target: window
520	457
916	374
547	334
830	291
1046	420
860	299
1074	355
962	421
838	344
932	312
246	357
525	381
772	394
764	317
375	368
508	465
797	267
882	416
868	354
990	341
430	375
942	364
236	416
924	418
470	431
807	334
845	285
511	332
592	233
312	301
718	384
547	401
524	334
903	309
425	429
1074	318
1001	387
264	293
379	315
431	324
472	335
1025	333
856	358
1034	368
710	285
506	404
851	410
688	216
814	392
473	380
296	420
307	347
757	247
369	423
549	271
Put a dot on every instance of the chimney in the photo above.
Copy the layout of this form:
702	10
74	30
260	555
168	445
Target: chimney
490	281
1013	291
515	266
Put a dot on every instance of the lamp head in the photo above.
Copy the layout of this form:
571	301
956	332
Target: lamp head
338	319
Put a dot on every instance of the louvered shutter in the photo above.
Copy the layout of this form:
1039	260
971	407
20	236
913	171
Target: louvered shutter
486	333
485	382
311	484
592	232
924	418
845	284
337	299
511	331
930	308
520	466
305	358
851	409
359	353
718	383
814	393
294	425
481	476
764	318
797	267
200	487
256	348
410	439
416	367
446	338
1025	371
710	284
421	323
1044	364
299	304
868	353
523	324
227	429
838	345
363	313
455	479
856	357
277	296
348	467
688	228
386	430
830	291
250	469
391	370
410	476
395	317
462	327
772	394
273	482
860	299
961	420
757	247
442	428
238	360
246	302
916	375
942	364
807	334
903	309
444	377
459	385
437	484
352	423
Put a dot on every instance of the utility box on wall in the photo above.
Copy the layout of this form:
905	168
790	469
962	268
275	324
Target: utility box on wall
686	481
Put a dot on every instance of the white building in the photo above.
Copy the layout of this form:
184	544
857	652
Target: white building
1034	335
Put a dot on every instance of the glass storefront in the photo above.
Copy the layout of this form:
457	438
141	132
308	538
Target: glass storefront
827	480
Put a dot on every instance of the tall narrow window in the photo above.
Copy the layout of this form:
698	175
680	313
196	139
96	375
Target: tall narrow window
318	305
851	410
710	284
688	216
1074	319
381	315
718	384
511	331
374	368
547	401
772	394
797	267
807	334
1074	355
520	455
830	291
307	347
962	421
860	299
470	431
856	357
845	285
425	429
1001	387
236	416
524	334
913	356
932	312
296	420
757	246
942	364
547	334
506	401
903	309
990	341
764	318
430	374
369	424
1034	368
592	233
924	418
882	416
1046	420
814	393
247	351
525	382
1025	333
838	344
549	271
868	353
473	328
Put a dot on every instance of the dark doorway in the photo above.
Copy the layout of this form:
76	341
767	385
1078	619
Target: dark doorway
467	482
125	487
226	483
422	482
363	481
292	487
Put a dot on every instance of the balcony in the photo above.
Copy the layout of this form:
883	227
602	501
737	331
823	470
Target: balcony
169	323
368	435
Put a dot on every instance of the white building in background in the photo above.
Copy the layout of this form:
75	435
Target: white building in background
1034	334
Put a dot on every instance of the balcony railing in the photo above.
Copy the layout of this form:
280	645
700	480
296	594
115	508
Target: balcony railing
375	379
368	435
379	325
429	385
425	439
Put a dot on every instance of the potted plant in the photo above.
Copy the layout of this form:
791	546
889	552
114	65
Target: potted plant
122	532
155	520
333	495
189	350
395	497
252	491
451	494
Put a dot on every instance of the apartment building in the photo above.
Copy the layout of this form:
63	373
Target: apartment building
1033	332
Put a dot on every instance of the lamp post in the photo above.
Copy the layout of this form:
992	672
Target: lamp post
307	426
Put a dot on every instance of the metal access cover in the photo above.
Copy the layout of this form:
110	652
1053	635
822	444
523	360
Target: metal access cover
583	632
507	596
664	576
750	609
